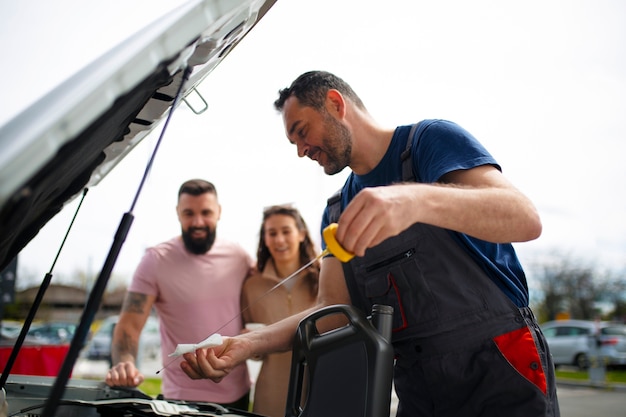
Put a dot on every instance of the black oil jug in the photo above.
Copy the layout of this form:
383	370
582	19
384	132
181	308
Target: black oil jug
344	372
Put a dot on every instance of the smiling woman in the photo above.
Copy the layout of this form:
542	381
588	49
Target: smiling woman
273	293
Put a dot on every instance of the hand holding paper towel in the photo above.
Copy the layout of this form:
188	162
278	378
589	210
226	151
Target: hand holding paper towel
211	341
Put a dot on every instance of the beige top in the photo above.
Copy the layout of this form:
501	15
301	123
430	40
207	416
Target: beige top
272	384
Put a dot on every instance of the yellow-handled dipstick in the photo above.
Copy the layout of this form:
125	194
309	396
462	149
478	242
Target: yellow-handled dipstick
334	247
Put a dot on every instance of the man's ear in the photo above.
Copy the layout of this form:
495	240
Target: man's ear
335	103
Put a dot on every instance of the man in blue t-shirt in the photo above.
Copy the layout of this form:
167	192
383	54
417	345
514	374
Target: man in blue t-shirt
430	218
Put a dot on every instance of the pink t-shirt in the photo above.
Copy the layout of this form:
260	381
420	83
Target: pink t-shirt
195	296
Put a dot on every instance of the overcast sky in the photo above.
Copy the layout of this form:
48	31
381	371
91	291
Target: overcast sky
542	84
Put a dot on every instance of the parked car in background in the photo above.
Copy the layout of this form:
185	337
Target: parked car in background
39	333
52	333
10	329
99	348
576	342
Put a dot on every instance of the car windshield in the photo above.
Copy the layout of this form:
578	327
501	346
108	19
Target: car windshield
614	331
572	331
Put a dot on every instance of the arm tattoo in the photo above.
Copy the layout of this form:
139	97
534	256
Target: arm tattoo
125	345
134	302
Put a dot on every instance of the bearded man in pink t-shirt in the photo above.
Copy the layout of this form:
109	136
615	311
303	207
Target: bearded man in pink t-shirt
194	282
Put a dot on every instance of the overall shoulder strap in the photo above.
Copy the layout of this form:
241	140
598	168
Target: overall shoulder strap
334	202
407	160
334	207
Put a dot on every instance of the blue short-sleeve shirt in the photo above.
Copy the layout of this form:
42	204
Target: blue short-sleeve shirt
439	147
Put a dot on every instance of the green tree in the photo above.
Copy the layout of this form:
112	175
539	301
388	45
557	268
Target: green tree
572	286
614	292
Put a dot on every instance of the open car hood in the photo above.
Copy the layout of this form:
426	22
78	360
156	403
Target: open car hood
73	136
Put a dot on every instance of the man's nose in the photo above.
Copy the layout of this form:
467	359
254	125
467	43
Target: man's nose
303	149
197	221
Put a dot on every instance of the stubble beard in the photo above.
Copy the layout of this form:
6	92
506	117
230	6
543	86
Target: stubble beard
338	142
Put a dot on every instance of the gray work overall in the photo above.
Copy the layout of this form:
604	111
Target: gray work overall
463	348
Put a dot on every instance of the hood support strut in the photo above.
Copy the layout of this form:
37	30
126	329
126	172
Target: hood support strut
95	297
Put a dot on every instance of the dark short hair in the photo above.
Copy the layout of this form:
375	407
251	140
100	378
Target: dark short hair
311	87
197	187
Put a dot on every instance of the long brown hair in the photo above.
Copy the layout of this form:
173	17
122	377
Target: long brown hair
306	249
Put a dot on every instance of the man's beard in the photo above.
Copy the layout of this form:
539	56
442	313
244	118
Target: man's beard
199	246
339	142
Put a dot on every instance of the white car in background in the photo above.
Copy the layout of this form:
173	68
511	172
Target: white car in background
578	342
